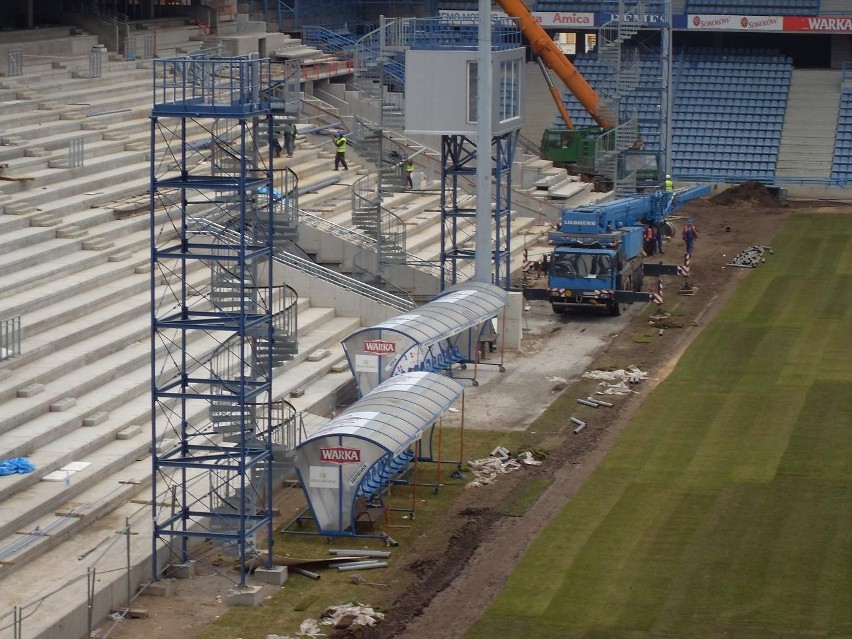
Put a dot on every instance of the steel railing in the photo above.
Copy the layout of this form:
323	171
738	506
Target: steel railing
10	337
315	270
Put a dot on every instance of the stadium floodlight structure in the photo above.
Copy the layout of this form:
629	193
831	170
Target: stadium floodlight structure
214	421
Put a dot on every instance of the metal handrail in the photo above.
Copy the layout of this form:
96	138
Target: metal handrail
315	270
10	337
359	239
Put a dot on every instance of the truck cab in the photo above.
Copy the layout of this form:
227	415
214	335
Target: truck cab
594	271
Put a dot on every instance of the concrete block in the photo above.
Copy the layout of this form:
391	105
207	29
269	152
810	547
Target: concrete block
96	418
118	257
317	355
30	390
340	367
142	268
276	575
161	588
63	404
245	596
70	232
182	571
129	431
97	245
17	209
45	220
297	392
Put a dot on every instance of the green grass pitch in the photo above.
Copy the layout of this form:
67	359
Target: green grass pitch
725	509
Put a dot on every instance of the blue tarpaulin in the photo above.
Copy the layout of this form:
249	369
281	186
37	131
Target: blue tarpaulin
17	465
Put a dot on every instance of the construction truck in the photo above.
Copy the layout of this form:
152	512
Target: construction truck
598	259
578	149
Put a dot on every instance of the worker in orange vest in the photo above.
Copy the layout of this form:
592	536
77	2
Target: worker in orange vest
648	239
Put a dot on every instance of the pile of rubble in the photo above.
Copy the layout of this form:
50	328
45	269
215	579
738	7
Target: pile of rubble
750	257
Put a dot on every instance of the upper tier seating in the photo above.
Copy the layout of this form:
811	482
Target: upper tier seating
841	164
755	7
729	113
728	110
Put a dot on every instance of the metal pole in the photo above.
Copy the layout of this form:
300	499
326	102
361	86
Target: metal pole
482	240
127	535
90	598
668	91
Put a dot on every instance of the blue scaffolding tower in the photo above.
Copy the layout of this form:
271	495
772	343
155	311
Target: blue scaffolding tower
458	165
214	421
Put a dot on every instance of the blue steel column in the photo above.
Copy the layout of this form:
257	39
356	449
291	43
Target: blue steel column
211	388
458	161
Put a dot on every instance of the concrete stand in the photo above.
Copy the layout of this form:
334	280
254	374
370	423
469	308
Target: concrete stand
245	596
276	575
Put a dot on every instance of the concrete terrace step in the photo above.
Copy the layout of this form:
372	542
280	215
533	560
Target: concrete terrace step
49	176
43	305
109	183
55	134
88	442
65	257
21	252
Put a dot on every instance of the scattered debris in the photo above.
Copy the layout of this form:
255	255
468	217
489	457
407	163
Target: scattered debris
751	257
305	573
351	614
500	462
500	453
487	470
309	628
631	375
360	581
528	457
587	402
559	383
346	552
363	565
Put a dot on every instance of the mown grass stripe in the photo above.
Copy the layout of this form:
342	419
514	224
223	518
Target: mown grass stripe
821	444
558	545
725	507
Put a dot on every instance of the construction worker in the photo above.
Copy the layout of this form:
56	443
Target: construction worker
649	242
689	235
340	143
659	235
409	172
668	185
289	130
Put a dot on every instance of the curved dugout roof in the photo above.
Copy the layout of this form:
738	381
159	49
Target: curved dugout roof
455	310
395	413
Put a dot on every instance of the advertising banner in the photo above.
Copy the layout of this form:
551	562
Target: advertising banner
547	19
835	24
734	22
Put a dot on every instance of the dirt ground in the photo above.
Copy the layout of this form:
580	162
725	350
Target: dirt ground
460	581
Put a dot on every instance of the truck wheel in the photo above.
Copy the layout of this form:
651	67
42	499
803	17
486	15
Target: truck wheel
670	231
614	309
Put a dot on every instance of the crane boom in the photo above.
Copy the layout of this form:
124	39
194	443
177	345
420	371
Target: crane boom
545	48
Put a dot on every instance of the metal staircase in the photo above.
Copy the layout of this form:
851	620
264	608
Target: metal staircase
615	51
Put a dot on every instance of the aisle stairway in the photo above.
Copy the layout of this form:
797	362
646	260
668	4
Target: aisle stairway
809	124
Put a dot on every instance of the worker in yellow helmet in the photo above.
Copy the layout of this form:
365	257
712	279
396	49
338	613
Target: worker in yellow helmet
340	143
